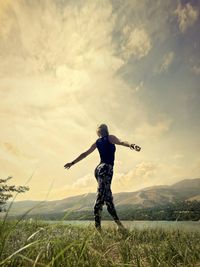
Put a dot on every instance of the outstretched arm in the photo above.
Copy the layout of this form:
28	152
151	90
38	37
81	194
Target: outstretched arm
115	140
81	156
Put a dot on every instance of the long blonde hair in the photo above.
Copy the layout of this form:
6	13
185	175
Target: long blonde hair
102	129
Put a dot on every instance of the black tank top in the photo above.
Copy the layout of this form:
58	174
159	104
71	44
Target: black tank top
106	150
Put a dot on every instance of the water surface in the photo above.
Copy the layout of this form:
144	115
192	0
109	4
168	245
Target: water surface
182	225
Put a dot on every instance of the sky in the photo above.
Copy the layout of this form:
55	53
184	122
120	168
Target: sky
67	66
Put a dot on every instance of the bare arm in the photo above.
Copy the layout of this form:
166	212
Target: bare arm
115	140
81	156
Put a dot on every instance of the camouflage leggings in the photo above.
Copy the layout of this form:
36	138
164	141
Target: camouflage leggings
103	173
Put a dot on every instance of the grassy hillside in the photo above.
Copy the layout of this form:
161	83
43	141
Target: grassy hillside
145	198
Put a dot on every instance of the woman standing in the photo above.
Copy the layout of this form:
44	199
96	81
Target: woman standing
104	171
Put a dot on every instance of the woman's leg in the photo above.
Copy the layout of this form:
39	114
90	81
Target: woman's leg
98	207
110	204
109	197
104	174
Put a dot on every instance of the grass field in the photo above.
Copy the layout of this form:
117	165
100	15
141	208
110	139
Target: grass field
35	243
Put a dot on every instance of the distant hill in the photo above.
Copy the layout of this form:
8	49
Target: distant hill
188	189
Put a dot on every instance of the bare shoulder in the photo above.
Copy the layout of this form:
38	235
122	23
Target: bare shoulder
111	137
114	139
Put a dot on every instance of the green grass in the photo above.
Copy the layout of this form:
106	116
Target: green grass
24	243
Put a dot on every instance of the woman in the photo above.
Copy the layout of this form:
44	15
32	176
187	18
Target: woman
104	171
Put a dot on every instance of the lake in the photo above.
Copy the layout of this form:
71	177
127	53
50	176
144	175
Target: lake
182	225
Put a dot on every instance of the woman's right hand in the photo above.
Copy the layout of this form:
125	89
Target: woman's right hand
134	146
137	148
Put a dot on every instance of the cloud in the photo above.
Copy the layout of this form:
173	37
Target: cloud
196	69
57	42
136	43
167	61
58	81
14	150
144	174
87	182
62	72
139	87
154	130
178	156
187	15
145	169
196	168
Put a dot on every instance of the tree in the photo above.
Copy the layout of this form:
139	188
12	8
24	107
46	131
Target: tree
6	191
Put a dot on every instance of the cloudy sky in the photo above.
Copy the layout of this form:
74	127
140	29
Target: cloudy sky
66	66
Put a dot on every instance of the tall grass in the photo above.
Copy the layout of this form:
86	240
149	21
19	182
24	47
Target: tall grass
35	243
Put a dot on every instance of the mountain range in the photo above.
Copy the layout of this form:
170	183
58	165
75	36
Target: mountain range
185	190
